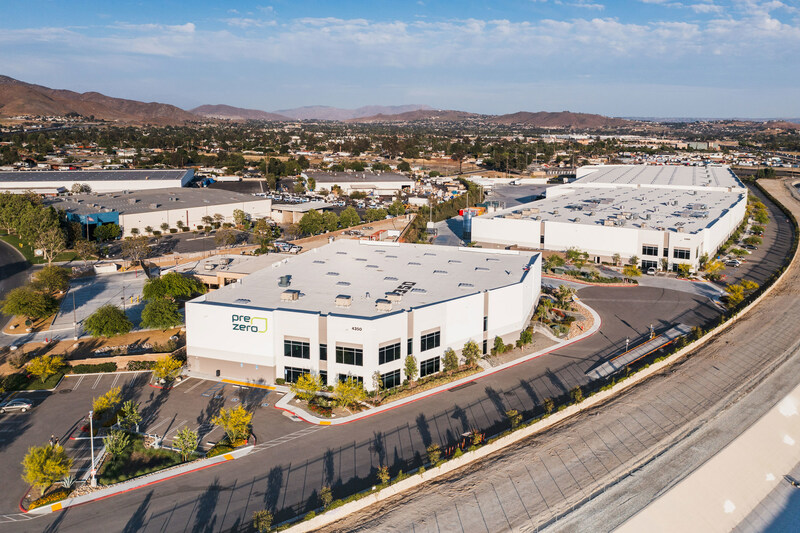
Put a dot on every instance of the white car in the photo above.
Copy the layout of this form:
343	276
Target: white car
15	405
733	263
651	271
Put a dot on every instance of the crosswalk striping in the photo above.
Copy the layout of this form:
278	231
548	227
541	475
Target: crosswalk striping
287	438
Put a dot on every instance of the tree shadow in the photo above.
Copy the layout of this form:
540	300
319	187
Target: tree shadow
206	518
211	410
526	386
328	466
152	407
556	381
497	401
378	447
136	522
424	430
460	415
274	485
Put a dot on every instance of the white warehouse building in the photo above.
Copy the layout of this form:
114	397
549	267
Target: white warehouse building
55	181
665	216
353	308
140	209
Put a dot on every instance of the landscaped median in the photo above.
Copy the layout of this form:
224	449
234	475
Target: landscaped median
142	481
285	403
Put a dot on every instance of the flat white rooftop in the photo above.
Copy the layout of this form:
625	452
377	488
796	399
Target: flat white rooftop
644	208
420	274
677	176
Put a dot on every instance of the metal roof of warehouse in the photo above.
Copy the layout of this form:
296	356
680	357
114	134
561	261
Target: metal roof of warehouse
642	208
659	175
92	175
146	201
422	274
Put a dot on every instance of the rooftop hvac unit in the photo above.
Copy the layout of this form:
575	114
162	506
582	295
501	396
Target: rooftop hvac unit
608	222
132	200
209	266
154	206
290	295
577	219
285	281
343	300
226	260
394	297
680	229
382	304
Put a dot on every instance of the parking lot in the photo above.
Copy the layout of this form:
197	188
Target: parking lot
88	294
192	403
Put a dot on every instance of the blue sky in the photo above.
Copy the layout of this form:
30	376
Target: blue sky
710	58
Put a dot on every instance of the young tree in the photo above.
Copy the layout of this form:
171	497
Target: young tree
45	366
136	249
330	221
107	402
85	249
549	405
633	261
450	361
514	417
45	465
325	497
348	392
235	423
262	228
576	394
499	346
135	232
377	381
148	230
240	218
471	353
51	242
434	453
218	219
164	227
577	257
397	208
554	261
107	232
616	258
129	416
311	223
349	217
167	368
307	386
383	474
160	313
108	321
631	271
180	224
186	442
262	521
51	279
24	301
525	337
225	237
714	270
735	295
683	270
116	442
411	368
173	285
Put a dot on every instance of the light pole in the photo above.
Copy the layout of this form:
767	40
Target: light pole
91	448
627	342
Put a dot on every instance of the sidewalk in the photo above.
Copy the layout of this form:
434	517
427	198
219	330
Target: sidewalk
285	402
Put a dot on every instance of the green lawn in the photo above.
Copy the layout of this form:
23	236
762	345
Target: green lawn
136	460
21	381
27	251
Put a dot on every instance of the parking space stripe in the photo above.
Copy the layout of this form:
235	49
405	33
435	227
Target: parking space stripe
176	428
97	381
190	389
78	384
116	378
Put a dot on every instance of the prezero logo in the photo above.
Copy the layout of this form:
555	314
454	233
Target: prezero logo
253	324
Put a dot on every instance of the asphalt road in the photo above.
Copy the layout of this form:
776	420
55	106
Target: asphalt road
14	270
289	467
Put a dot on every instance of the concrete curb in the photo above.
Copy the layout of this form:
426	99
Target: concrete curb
520	434
144	481
284	403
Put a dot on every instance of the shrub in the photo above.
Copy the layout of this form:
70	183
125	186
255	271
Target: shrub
18	360
576	394
548	405
108	321
434	453
140	365
383	474
91	369
458	453
280	381
52	497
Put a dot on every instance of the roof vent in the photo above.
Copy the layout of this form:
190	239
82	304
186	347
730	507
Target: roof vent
331	273
465	285
290	295
285	281
343	300
241	301
382	304
132	200
343	283
394	297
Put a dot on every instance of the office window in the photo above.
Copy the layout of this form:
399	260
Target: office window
323	376
428	367
429	341
666	252
486	323
349	356
323	352
485	345
410	350
391	379
292	374
649	250
300	350
680	253
344	377
387	354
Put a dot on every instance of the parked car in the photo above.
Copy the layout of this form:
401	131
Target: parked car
15	405
651	271
750	247
733	263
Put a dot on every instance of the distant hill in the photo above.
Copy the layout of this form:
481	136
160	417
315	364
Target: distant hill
227	112
434	115
781	125
563	119
20	98
318	112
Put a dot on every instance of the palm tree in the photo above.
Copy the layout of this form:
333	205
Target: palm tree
564	296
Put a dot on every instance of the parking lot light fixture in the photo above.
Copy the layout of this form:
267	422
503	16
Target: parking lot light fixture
91	448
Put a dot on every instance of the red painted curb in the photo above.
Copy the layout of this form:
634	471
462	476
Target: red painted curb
478	376
23	498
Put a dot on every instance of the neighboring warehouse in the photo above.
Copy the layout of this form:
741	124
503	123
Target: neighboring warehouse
376	183
353	308
140	209
670	213
59	181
